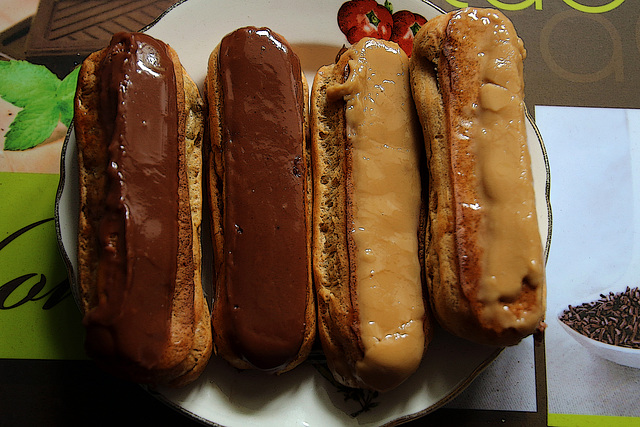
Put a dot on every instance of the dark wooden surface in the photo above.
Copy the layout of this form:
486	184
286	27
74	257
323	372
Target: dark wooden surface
72	393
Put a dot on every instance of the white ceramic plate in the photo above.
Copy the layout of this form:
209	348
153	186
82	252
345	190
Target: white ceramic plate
621	355
304	396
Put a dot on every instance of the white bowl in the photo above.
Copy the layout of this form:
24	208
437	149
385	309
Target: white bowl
621	355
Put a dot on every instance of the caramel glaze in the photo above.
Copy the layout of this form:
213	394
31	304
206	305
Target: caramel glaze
138	233
383	189
265	244
504	276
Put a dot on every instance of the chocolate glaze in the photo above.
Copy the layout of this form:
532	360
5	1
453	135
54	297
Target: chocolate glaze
139	232
265	226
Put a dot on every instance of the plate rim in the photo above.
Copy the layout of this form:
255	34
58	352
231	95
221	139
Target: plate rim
60	191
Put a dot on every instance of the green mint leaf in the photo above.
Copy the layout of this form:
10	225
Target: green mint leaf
65	94
44	99
71	80
32	126
66	112
22	83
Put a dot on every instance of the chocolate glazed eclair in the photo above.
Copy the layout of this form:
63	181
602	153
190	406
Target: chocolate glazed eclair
263	313
139	127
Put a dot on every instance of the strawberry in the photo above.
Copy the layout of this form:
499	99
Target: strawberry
405	26
364	18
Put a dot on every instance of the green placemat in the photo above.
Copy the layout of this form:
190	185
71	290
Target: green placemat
38	316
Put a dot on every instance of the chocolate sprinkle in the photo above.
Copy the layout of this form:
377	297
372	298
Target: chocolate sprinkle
612	319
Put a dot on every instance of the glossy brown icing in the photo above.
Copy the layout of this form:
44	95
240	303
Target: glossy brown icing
139	231
265	245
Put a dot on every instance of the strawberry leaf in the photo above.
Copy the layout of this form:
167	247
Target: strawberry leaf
415	28
373	18
32	125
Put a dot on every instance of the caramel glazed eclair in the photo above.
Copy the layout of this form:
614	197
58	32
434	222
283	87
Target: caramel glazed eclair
139	128
367	149
484	259
263	312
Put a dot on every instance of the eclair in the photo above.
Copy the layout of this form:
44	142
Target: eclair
139	124
367	149
259	187
484	258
